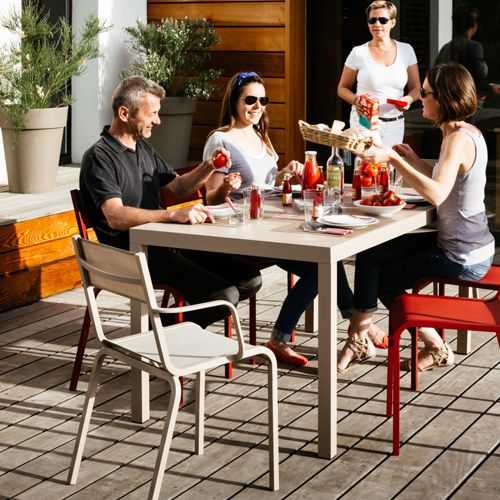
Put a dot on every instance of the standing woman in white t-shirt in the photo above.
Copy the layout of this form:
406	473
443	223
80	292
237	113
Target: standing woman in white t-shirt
382	68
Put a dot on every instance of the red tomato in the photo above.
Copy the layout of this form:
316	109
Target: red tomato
398	201
377	204
365	201
390	194
371	170
387	202
366	181
220	161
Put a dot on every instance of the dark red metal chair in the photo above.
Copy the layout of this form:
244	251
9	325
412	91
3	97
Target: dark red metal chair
414	311
491	281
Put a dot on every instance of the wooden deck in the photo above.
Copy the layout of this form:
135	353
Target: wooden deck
451	429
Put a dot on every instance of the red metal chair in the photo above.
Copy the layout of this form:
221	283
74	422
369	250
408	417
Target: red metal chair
84	224
414	311
491	281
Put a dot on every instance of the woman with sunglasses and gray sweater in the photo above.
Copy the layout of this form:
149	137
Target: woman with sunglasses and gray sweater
381	68
243	131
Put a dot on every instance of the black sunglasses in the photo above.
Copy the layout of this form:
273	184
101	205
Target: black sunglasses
250	100
424	93
381	20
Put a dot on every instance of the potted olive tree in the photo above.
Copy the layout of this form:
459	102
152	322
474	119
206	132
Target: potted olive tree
35	72
174	54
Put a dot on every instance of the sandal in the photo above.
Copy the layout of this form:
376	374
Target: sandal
363	349
443	356
383	344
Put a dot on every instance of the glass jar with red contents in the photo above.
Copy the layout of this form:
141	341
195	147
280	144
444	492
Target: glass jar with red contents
286	193
383	183
312	173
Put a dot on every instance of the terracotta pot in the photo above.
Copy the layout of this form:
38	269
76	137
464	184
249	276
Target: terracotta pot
171	138
33	162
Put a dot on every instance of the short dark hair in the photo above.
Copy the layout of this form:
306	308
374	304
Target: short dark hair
131	92
454	90
464	18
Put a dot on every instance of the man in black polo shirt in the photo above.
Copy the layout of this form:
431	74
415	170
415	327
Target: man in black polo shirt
121	178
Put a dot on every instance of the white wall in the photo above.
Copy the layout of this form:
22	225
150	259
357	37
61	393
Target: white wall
93	90
6	7
441	29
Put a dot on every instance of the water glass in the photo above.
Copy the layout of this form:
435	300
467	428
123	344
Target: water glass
242	213
259	210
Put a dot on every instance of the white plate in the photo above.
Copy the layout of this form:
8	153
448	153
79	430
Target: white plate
220	210
412	198
347	221
295	189
370	209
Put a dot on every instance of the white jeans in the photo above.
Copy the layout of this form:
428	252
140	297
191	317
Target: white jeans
390	132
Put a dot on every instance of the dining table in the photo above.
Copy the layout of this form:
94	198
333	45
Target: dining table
280	234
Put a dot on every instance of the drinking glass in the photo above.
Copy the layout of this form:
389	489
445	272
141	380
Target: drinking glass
310	210
247	195
242	213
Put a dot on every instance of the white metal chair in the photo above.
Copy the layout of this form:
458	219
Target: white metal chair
166	352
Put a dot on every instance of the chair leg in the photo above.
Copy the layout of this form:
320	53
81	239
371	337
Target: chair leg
252	327
166	438
390	373
200	414
228	332
414	358
396	397
85	418
82	343
290	280
272	384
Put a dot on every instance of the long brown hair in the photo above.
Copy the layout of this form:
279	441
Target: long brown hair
454	90
229	113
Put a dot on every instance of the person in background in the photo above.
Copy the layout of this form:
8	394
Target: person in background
243	131
381	68
461	247
120	180
462	49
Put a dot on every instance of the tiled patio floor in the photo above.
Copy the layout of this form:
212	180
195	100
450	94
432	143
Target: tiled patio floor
451	429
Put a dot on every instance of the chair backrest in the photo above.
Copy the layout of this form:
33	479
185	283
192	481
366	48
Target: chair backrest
168	200
82	219
123	273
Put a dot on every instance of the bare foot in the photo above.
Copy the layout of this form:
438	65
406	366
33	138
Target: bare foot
378	337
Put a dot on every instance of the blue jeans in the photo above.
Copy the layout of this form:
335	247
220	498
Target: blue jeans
388	270
303	293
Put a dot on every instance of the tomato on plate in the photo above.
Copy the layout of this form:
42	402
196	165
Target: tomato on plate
365	201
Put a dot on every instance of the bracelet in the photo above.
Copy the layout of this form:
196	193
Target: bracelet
411	98
355	100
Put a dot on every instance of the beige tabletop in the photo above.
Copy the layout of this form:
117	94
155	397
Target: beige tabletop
279	235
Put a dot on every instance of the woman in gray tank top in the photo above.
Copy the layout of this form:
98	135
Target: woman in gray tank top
461	247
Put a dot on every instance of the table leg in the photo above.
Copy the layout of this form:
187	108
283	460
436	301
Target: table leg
327	360
139	380
463	336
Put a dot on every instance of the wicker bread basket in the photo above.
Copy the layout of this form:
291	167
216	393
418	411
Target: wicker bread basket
342	140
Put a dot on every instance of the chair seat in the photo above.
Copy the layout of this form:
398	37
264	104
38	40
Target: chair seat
189	346
448	312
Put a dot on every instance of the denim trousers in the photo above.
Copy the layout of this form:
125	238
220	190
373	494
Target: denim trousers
388	270
303	293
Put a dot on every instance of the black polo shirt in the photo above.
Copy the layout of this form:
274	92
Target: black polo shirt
111	170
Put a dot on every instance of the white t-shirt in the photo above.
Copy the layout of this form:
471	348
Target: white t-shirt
260	170
377	80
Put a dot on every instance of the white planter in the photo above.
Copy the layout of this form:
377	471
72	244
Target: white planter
33	162
171	138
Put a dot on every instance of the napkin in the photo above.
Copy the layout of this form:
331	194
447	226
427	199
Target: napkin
338	231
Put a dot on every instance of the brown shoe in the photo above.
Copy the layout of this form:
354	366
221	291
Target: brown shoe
363	349
443	356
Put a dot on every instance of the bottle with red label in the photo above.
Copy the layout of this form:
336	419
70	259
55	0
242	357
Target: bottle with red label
286	193
384	178
255	203
312	173
356	180
318	203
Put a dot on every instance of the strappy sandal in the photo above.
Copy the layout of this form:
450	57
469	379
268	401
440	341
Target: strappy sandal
383	344
443	356
363	349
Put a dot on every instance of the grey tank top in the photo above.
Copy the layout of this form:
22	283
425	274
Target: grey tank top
461	219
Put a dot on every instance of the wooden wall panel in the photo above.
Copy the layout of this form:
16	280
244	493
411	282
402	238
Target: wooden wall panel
224	14
271	43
